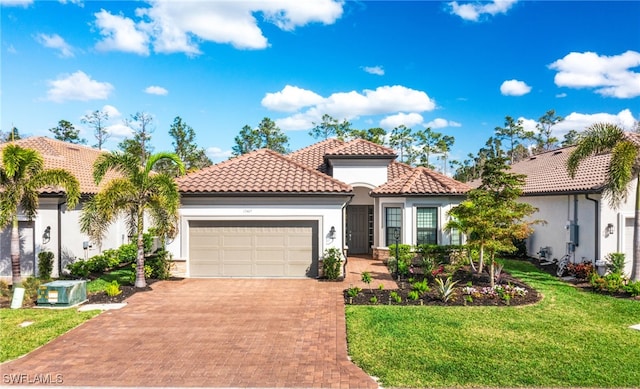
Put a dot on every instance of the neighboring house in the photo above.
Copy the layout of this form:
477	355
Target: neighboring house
264	214
56	228
580	221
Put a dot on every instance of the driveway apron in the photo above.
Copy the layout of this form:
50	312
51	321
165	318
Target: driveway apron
209	333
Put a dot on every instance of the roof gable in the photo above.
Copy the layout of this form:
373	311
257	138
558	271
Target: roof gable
76	159
313	156
361	148
261	172
422	181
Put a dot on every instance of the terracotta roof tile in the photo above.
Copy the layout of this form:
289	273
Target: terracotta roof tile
396	170
313	156
77	159
361	148
422	181
261	171
547	173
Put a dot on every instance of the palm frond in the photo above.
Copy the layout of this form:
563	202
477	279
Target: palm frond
596	139
164	156
620	172
58	177
123	163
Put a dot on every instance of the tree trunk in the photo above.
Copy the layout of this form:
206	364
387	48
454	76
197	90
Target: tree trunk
635	269
141	282
16	277
481	260
492	270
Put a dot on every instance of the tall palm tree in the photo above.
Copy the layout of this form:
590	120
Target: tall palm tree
139	192
623	168
22	175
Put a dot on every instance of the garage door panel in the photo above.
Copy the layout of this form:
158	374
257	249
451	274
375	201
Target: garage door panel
253	248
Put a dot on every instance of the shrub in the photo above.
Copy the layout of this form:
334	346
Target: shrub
616	262
45	265
160	264
113	289
395	297
331	263
4	289
633	288
366	278
354	291
405	253
413	295
421	286
148	271
581	270
445	289
31	285
373	300
612	283
79	269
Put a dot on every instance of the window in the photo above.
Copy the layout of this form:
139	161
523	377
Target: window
427	225
393	220
456	237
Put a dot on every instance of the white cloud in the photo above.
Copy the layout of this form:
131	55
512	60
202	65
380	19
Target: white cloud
217	154
79	3
119	131
290	99
580	121
11	49
15	3
77	86
561	95
514	88
120	34
55	41
377	70
408	120
383	100
111	111
474	11
610	76
441	123
156	90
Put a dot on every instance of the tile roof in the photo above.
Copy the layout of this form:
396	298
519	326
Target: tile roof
422	181
77	159
261	172
396	170
313	156
547	173
361	148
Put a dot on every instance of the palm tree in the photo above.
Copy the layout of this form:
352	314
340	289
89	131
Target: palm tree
138	192
22	175
623	168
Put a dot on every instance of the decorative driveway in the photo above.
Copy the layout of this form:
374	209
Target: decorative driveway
209	333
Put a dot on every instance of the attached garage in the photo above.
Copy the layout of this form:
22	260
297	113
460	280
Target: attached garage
253	248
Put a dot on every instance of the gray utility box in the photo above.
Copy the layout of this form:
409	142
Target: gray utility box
62	293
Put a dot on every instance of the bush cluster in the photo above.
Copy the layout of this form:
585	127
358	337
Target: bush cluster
614	281
332	263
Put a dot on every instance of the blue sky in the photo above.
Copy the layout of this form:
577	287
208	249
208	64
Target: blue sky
457	67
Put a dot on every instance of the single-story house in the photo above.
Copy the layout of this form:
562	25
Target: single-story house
580	222
265	214
56	228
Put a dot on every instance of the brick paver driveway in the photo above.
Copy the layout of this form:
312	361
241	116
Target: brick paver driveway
211	333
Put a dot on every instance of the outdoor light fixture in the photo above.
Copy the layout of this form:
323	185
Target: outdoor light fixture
47	235
611	229
332	233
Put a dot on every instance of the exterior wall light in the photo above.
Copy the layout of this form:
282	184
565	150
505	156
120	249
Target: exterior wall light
46	236
611	229
332	233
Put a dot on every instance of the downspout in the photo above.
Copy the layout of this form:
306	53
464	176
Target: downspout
59	217
596	240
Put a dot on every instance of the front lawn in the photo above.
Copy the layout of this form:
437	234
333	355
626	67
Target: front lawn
47	324
570	338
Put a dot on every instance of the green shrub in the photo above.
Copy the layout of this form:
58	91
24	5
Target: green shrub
79	269
421	286
616	262
113	289
633	288
445	289
373	300
413	295
45	265
354	291
160	264
332	263
395	296
612	283
404	252
127	253
31	285
4	289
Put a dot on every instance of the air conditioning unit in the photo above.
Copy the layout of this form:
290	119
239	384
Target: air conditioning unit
62	293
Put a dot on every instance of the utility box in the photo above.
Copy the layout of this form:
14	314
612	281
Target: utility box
62	293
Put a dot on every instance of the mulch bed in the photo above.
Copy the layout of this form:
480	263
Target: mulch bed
463	276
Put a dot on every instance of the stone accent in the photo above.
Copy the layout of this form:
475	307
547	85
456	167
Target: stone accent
381	253
179	268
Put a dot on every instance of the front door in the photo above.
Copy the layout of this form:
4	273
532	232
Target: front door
358	229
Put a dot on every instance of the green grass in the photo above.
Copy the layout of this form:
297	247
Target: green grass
47	325
570	338
123	276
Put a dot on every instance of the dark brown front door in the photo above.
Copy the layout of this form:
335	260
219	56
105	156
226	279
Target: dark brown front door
358	229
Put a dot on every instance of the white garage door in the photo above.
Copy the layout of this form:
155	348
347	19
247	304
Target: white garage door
253	248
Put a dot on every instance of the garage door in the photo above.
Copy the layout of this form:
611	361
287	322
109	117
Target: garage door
253	248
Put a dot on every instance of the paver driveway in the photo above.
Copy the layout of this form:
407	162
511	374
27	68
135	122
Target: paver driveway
212	333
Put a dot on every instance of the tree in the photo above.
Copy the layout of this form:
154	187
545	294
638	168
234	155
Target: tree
428	144
185	148
66	132
623	168
97	120
570	138
444	146
402	140
10	136
137	194
266	135
513	131
545	141
141	125
491	216
331	127
22	175
375	135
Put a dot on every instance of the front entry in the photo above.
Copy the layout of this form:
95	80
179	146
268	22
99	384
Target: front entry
359	228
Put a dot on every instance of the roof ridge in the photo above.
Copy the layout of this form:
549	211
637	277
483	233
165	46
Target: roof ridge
411	179
315	145
307	168
441	178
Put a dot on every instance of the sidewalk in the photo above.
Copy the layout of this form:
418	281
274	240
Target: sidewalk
356	265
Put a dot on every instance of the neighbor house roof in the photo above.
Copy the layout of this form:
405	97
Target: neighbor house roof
546	173
420	181
361	148
76	159
261	172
